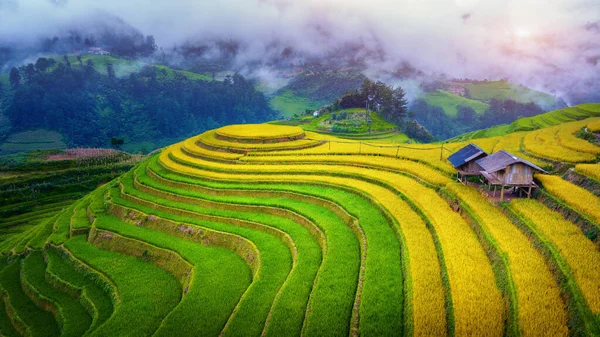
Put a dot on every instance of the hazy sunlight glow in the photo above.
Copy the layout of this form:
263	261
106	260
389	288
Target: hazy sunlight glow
522	33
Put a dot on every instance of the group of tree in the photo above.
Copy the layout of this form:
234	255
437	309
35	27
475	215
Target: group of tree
387	100
506	111
443	126
90	109
416	131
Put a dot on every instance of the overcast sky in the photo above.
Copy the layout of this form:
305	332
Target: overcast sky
536	42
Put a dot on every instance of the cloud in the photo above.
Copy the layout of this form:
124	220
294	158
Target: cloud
547	45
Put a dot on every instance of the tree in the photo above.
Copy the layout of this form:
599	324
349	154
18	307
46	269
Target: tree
89	41
367	88
351	99
466	115
110	70
5	126
42	64
149	46
467	92
67	62
80	60
390	101
117	142
14	78
414	130
29	73
398	104
89	68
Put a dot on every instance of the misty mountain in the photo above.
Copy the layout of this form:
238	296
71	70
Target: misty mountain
104	32
548	48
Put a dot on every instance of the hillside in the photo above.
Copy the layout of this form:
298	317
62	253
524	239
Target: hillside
503	90
447	115
122	66
171	73
450	102
79	104
313	86
277	231
290	104
552	118
492	103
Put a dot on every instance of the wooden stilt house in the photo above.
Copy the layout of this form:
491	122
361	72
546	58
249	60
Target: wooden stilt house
465	161
504	169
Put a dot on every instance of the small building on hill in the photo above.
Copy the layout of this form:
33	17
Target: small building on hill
507	170
465	161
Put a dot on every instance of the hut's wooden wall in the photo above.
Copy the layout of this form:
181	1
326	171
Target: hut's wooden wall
470	167
516	174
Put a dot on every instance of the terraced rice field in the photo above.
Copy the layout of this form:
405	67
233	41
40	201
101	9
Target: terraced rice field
274	231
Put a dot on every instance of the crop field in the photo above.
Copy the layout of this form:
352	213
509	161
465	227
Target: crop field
271	230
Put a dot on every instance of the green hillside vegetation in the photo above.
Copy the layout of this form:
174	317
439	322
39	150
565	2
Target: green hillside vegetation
450	102
170	73
144	109
444	126
123	67
288	103
313	88
503	90
545	120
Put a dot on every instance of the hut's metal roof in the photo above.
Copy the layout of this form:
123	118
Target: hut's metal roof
465	155
500	160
